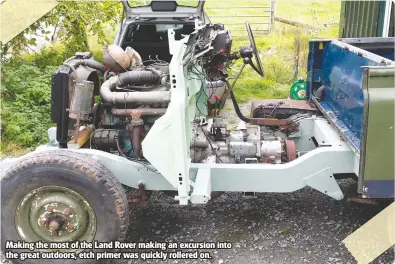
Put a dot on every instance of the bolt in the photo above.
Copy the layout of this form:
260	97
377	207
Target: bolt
70	227
50	208
67	212
53	226
43	221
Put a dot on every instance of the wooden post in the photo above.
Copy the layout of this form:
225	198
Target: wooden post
272	13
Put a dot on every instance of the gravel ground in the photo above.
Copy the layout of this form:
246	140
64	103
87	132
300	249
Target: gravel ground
301	227
228	113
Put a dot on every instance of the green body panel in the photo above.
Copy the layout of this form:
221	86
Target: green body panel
364	19
377	160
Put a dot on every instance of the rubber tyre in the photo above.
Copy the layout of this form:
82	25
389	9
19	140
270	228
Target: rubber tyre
74	171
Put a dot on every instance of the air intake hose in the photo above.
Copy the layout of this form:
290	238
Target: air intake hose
85	62
94	65
138	78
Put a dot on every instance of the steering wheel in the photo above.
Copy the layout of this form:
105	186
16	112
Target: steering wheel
258	68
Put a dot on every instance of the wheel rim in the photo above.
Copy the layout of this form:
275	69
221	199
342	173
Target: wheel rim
55	214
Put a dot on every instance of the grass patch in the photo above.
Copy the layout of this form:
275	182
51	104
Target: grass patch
312	12
278	49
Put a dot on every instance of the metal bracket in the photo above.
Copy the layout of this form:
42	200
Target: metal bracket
325	182
249	195
202	192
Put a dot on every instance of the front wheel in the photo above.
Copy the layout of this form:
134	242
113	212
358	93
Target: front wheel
61	196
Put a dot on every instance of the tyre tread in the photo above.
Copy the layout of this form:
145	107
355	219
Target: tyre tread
88	167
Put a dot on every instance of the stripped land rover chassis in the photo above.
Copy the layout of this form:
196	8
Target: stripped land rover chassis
190	152
154	125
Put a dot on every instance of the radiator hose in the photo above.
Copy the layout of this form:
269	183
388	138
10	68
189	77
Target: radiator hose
94	65
85	62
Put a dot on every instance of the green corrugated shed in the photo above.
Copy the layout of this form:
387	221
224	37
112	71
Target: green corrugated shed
365	19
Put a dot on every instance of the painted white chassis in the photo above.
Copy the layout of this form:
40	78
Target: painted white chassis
167	148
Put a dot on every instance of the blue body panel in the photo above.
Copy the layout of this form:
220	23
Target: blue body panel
338	67
342	76
336	70
379	188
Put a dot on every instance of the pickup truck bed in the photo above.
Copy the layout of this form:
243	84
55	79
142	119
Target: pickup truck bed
352	83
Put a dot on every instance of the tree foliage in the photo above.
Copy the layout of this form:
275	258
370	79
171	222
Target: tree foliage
25	104
26	76
73	21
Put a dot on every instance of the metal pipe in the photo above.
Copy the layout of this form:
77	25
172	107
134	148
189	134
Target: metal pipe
215	84
136	97
135	131
138	78
144	111
131	97
136	140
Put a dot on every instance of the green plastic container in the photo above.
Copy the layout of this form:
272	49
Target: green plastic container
298	90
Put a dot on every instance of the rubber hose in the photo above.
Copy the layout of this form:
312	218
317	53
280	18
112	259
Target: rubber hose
155	71
235	105
69	66
138	78
256	121
69	59
94	64
319	93
105	75
89	63
72	69
108	74
237	109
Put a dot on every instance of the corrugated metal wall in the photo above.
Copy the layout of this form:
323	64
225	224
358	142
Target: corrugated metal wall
364	19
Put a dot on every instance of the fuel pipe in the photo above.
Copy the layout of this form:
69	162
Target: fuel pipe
256	121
